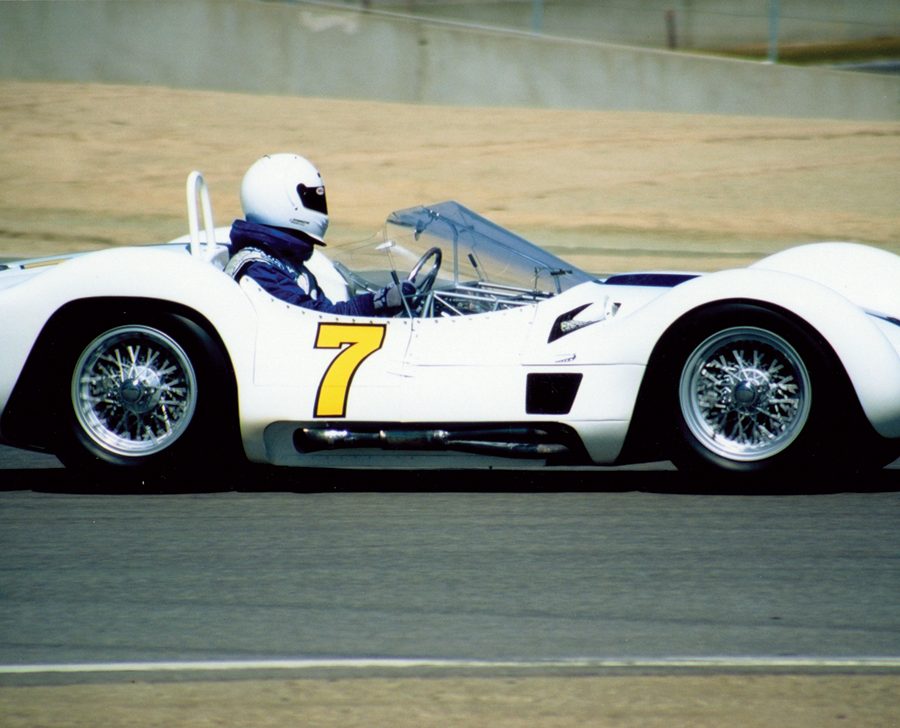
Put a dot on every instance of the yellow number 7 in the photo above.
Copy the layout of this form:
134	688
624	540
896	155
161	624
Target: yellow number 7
360	340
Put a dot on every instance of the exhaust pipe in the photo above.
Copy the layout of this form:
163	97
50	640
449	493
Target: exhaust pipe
509	441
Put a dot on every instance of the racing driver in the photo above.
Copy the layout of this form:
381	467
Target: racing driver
286	215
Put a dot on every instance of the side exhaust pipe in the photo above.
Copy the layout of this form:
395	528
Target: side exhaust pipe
524	442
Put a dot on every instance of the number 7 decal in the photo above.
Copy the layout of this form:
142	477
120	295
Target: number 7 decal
358	342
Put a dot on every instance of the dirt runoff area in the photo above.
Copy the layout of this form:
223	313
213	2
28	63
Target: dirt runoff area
689	701
90	166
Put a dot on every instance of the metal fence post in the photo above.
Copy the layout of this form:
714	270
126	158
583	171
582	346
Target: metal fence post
537	15
773	31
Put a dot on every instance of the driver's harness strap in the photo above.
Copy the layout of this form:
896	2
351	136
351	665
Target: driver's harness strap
239	263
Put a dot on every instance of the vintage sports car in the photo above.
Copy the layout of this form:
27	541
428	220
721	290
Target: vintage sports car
142	359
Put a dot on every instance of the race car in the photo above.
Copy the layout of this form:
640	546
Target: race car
141	360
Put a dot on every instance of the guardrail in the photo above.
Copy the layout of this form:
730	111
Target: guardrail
326	50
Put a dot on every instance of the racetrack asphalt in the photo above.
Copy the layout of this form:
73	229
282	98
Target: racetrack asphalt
373	588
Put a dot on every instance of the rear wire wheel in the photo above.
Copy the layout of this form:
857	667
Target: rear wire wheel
144	395
134	391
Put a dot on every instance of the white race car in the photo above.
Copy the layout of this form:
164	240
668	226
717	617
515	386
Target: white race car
143	359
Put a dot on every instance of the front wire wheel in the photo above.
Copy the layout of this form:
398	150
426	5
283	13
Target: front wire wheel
745	394
134	391
752	392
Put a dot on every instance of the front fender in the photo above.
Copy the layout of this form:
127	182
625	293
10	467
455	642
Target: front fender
870	358
867	276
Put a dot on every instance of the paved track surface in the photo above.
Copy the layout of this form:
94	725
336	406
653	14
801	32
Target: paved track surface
624	565
606	565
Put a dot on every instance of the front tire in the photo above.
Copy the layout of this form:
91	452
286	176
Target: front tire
745	394
752	392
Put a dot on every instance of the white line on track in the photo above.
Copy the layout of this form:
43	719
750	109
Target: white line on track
723	663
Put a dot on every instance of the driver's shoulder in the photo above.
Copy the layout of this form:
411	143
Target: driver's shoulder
249	258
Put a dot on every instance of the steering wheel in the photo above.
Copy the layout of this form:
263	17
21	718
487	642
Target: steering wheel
425	285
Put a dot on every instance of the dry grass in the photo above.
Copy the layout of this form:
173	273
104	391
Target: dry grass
690	701
85	166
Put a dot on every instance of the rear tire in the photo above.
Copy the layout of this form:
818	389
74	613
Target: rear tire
142	395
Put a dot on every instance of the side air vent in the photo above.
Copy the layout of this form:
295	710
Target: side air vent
551	394
562	325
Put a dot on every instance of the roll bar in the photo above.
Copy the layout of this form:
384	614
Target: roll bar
198	197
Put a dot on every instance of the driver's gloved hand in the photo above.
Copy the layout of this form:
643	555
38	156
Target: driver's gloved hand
390	297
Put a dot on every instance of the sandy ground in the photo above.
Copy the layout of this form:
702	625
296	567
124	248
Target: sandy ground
88	166
748	701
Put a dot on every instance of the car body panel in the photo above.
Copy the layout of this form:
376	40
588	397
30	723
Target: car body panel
480	358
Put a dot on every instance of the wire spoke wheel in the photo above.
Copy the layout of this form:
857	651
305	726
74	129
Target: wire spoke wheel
745	394
134	391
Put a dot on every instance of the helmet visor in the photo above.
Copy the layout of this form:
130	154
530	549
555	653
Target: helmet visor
313	198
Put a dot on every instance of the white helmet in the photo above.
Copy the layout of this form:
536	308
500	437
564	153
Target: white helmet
286	191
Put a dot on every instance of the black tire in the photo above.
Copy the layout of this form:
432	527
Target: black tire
753	393
143	395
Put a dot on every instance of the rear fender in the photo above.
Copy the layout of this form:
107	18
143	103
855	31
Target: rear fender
144	278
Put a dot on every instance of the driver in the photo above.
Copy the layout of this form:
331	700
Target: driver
283	198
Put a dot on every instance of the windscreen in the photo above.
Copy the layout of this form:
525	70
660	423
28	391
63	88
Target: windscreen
475	249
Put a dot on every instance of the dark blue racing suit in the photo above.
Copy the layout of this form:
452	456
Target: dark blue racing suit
275	257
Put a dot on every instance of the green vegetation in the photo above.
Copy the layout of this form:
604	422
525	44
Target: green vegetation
872	49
